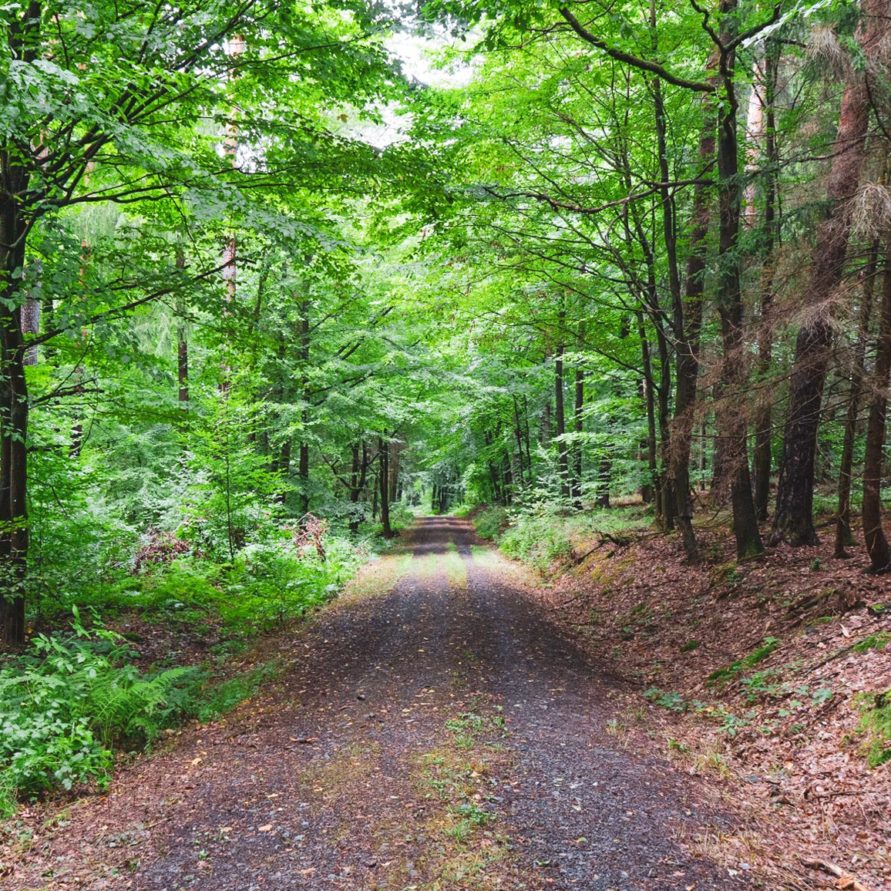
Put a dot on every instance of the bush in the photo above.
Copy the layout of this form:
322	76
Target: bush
544	532
537	536
491	522
265	585
69	700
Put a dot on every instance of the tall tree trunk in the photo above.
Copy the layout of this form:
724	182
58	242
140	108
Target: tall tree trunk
876	542
22	37
578	426
843	536
730	306
384	476
395	452
795	493
305	336
518	434
604	472
669	507
235	47
358	475
302	475
559	411
764	95
544	430
493	469
527	437
651	491
688	329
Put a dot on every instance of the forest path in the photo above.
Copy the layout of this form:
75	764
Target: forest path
430	731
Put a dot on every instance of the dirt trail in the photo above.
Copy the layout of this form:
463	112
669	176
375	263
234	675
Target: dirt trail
436	733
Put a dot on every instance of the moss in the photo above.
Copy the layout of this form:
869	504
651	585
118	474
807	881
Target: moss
759	654
876	641
875	724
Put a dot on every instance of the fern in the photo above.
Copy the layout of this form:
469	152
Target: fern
69	701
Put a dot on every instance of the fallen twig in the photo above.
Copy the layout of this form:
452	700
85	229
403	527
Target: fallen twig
605	538
845	880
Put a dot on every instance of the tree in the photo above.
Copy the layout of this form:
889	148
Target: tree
793	521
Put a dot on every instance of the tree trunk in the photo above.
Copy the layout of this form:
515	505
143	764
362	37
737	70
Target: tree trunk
235	47
358	474
730	308
544	430
384	476
669	498
764	94
873	533
604	471
395	451
843	536
518	433
795	493
651	491
303	459
13	401
182	339
559	412
688	329
578	426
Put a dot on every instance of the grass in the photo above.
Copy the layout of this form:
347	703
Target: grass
458	775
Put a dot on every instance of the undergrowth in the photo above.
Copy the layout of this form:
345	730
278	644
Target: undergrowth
69	700
75	697
73	700
264	586
542	533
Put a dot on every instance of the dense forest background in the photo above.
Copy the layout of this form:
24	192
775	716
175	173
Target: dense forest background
276	276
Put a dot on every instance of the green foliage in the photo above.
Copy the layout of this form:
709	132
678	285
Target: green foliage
491	522
69	700
877	641
216	699
760	685
875	723
546	532
759	654
670	700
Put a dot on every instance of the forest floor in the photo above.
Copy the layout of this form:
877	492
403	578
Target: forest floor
430	730
770	680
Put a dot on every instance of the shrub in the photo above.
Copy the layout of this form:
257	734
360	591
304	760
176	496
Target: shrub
536	536
491	522
69	700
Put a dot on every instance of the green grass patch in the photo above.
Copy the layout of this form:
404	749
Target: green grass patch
729	672
875	724
877	641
